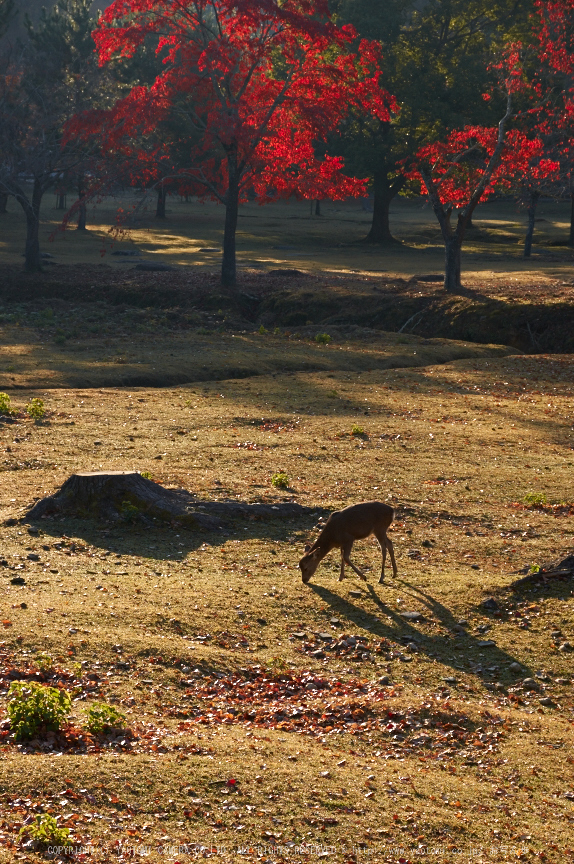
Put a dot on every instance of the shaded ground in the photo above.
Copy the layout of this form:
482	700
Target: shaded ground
287	235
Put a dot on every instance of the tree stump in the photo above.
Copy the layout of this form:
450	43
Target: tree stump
563	569
116	495
129	497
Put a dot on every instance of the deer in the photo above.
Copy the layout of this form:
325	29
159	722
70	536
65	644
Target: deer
341	530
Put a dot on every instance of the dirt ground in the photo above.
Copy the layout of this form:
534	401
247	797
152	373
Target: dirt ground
273	721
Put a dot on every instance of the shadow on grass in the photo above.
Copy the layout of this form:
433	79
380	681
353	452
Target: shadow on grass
402	631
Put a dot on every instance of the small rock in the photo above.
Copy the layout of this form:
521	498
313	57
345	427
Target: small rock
412	616
335	622
515	667
355	593
384	680
486	643
565	647
474	567
546	701
490	604
23	605
460	631
18	580
405	658
530	684
564	681
72	630
325	774
427	544
97	443
33	531
462	623
300	635
326	637
311	685
33	557
262	621
319	655
450	680
556	634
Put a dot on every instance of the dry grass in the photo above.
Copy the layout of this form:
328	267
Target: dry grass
453	447
29	360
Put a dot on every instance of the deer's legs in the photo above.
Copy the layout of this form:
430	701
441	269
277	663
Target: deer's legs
342	573
385	544
392	556
345	559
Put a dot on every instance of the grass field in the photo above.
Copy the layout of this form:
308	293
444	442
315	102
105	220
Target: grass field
404	734
266	720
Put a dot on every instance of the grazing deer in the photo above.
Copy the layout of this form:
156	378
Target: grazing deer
342	529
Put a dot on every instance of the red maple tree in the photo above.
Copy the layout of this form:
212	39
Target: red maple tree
248	89
470	165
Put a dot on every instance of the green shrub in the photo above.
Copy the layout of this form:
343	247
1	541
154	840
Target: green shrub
280	480
35	409
535	498
322	338
146	475
44	832
262	331
32	707
357	430
5	405
101	717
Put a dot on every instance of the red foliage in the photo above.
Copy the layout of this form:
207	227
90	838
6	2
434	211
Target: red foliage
456	179
256	85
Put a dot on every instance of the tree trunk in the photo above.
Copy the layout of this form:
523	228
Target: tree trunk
571	241
317	207
383	194
229	263
60	200
3	202
160	207
81	206
533	201
452	248
32	210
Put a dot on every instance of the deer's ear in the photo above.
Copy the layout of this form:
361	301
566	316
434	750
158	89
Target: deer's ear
307	548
